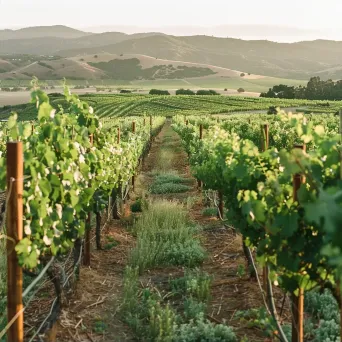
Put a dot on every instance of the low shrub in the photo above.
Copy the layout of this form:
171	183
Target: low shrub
272	110
194	284
168	188
209	212
165	237
204	331
138	206
170	178
207	92
193	309
169	183
184	92
158	92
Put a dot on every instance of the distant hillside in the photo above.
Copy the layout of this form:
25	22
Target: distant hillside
260	57
297	60
51	45
42	31
48	69
130	69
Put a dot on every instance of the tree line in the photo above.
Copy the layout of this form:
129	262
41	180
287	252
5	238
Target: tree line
316	89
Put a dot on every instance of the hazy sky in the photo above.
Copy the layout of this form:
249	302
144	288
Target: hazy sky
313	14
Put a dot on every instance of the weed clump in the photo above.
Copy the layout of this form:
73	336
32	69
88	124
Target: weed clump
165	237
170	183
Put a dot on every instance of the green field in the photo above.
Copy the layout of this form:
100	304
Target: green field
250	85
118	105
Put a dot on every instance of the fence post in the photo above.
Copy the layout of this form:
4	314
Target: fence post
264	147
119	135
341	147
14	222
151	127
199	183
86	258
339	282
133	177
220	205
297	306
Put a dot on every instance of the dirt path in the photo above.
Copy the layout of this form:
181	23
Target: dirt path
231	289
92	314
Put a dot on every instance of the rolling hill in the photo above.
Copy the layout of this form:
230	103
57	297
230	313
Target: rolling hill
42	31
260	57
296	60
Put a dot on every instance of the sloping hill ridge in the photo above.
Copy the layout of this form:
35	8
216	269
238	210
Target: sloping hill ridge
42	31
296	60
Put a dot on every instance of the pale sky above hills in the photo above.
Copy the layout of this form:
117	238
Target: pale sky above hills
320	19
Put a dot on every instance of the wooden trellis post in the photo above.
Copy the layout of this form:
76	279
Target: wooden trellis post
264	147
133	177
86	257
14	225
199	183
220	205
119	135
298	301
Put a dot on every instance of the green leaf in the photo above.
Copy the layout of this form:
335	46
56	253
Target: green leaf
45	186
12	121
44	111
288	224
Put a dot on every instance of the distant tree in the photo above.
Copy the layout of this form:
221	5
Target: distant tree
316	89
96	56
249	74
272	110
207	92
125	91
82	59
184	92
158	92
225	89
281	91
242	74
241	90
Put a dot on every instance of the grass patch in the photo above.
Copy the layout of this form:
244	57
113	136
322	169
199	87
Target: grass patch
164	160
146	312
170	183
194	284
209	212
142	310
168	188
165	237
139	205
171	178
111	243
